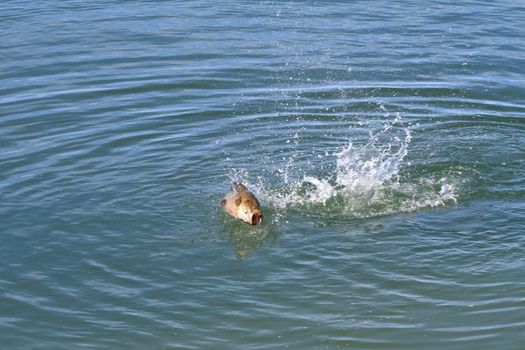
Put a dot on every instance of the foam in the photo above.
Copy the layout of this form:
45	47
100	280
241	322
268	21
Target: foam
366	179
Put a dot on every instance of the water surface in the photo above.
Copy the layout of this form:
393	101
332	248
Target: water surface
386	142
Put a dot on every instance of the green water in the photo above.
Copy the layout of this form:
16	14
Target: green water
385	141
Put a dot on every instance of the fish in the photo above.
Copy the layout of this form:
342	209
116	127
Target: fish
242	204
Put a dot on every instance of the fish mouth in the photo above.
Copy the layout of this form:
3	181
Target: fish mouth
257	218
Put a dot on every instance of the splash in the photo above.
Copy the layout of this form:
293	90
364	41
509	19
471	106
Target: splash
367	179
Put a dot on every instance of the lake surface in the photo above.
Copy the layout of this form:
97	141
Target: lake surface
385	141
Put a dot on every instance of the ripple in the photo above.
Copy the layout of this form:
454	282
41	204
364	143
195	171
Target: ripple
385	142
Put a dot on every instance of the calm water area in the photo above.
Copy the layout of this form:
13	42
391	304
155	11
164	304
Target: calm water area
385	141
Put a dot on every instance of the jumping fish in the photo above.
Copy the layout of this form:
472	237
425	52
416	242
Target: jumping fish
242	204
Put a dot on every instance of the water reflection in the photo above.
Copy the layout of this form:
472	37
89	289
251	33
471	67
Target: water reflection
246	239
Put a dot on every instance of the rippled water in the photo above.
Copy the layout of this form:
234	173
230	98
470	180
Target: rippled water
385	141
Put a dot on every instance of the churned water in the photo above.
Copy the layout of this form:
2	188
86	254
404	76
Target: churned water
385	141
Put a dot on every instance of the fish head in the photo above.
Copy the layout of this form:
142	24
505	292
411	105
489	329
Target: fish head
251	216
242	204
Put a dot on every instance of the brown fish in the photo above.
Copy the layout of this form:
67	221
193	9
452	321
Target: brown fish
242	204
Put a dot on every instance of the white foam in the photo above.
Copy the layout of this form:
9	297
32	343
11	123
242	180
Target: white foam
366	181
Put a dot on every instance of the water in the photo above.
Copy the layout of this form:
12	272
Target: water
385	140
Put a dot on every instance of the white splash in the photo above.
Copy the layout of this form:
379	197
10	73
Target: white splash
366	180
364	168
